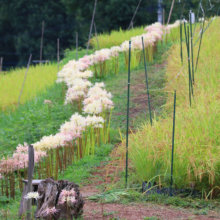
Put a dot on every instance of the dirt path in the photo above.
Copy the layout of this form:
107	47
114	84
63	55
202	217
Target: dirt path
95	211
133	211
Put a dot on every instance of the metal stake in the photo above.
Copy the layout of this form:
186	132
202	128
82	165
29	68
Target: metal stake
128	96
145	68
190	17
174	115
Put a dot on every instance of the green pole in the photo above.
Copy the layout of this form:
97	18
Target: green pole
181	49
174	115
190	17
200	45
197	17
128	96
145	68
188	61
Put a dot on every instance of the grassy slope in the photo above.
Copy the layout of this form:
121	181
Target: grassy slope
39	79
33	120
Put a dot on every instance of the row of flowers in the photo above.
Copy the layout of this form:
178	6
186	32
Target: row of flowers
91	126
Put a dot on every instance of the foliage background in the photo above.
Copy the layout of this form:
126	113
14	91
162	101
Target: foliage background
21	23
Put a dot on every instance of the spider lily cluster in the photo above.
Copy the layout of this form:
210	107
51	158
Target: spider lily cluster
89	127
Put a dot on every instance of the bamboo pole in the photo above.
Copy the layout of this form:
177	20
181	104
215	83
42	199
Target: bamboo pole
173	135
128	96
41	45
145	68
90	32
24	79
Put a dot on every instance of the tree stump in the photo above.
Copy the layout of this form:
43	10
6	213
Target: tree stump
50	197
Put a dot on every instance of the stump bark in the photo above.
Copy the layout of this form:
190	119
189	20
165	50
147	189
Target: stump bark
49	191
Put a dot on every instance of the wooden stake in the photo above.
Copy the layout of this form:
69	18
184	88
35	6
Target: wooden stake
171	9
24	79
76	46
1	64
90	32
96	35
58	54
30	177
134	15
41	45
163	16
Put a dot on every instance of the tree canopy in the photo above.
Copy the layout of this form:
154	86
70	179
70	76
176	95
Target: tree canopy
21	23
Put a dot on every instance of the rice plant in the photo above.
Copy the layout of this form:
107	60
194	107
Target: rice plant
115	38
196	159
38	79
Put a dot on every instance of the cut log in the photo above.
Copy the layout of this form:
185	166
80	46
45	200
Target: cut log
49	206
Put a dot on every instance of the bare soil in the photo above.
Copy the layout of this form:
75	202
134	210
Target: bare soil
133	211
95	211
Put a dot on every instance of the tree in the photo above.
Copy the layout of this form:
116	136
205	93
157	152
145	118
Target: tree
21	22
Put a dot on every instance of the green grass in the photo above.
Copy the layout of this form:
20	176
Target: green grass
87	165
33	120
134	195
